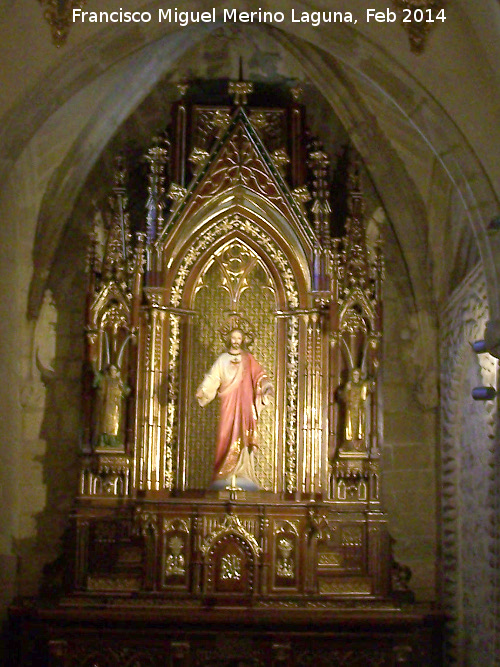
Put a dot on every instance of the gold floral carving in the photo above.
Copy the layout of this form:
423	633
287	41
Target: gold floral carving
176	192
280	159
271	126
259	119
285	564
198	158
332	558
208	125
291	404
230	567
113	584
345	586
213	524
301	195
221	119
170	431
58	14
175	561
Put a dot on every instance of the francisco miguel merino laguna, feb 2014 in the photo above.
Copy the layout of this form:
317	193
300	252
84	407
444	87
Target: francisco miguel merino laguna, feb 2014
226	15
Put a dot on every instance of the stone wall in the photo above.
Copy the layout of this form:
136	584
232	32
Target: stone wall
410	428
467	478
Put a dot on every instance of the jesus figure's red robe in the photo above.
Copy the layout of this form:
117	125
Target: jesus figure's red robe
240	382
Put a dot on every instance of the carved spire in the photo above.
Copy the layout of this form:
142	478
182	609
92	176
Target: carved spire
356	265
318	162
157	156
137	278
114	266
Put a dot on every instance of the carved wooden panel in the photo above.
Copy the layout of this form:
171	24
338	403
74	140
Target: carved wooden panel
230	567
184	638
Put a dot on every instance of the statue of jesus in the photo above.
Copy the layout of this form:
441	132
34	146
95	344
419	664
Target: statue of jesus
244	389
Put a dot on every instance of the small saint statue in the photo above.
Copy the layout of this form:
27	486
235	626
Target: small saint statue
243	389
355	395
111	390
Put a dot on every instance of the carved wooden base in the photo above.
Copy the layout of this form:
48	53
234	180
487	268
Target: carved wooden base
249	548
142	634
213	579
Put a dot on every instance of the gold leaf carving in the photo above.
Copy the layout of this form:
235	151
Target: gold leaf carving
345	586
330	558
113	584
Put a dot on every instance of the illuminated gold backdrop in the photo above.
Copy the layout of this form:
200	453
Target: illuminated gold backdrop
233	280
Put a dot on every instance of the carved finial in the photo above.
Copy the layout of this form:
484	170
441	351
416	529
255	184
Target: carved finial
116	252
119	173
297	92
356	254
318	163
139	254
157	157
182	88
91	259
355	201
240	89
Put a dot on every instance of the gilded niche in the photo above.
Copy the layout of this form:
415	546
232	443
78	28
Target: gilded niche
235	280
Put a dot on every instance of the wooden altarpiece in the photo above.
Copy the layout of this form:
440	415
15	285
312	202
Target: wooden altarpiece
237	231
